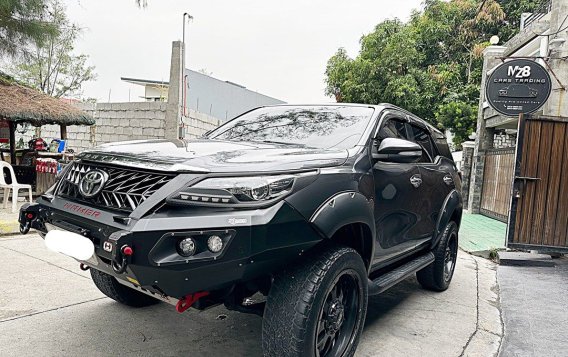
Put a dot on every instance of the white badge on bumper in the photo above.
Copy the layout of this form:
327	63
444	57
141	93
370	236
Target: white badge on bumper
69	243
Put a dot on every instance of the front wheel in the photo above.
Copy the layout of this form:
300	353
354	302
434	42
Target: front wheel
317	308
438	275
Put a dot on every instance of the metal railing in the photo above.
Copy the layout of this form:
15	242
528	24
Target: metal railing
539	13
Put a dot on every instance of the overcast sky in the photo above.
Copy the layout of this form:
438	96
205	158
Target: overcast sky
278	48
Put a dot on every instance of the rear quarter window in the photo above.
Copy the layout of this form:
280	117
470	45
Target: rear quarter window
443	148
422	137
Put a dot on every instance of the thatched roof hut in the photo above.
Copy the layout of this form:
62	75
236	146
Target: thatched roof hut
21	104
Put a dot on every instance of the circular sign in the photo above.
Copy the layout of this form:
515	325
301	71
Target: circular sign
518	86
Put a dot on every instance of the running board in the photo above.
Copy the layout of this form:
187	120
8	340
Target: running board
395	276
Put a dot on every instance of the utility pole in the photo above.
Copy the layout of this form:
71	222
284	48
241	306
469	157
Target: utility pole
183	79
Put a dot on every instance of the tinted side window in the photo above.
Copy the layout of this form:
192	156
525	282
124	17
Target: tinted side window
422	138
392	129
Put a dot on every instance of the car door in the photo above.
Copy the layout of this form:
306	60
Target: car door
436	177
396	219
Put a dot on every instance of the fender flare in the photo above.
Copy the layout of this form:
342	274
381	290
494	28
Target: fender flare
343	209
452	203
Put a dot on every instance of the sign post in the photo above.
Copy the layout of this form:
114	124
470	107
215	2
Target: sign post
518	86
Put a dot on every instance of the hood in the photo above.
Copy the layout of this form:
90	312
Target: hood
206	155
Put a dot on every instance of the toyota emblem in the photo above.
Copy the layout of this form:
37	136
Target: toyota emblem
92	183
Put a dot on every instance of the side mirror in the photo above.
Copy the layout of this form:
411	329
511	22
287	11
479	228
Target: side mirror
398	150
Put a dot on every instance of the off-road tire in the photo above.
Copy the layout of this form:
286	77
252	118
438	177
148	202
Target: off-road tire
433	277
299	295
108	285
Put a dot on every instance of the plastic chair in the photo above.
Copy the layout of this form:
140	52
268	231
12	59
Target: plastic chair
14	186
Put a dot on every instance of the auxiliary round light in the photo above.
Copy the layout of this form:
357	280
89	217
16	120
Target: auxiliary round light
215	244
186	247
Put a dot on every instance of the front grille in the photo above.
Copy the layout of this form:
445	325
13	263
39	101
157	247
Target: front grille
124	190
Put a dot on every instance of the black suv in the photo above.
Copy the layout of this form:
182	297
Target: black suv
295	213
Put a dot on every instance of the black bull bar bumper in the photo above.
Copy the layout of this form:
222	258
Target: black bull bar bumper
148	258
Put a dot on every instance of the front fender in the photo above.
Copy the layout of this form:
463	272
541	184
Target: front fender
452	203
342	209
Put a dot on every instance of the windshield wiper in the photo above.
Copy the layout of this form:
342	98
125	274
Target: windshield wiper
279	142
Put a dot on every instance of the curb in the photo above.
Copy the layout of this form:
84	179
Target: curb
522	259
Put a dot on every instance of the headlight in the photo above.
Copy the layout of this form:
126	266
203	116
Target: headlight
246	189
240	190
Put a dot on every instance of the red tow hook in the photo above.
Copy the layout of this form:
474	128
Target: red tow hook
186	302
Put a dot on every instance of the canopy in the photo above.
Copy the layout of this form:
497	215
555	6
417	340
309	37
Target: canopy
21	104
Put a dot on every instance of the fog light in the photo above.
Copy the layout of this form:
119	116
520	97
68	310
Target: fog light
186	247
215	244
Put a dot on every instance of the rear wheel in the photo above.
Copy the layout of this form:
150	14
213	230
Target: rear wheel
438	275
109	286
317	308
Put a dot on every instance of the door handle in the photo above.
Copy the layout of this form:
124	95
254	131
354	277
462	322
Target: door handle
416	180
518	191
448	180
525	178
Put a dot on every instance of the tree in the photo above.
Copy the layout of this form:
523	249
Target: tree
430	65
23	22
51	65
513	10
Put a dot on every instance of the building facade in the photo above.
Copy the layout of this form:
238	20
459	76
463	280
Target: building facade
542	38
205	94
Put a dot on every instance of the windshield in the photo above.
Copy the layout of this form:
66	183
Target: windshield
338	127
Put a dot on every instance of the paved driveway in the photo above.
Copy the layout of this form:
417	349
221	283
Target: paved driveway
535	309
48	307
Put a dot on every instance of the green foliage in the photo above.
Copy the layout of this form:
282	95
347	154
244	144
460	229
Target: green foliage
23	22
430	66
514	9
51	65
460	116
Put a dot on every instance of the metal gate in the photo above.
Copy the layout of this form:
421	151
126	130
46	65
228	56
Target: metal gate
497	180
539	208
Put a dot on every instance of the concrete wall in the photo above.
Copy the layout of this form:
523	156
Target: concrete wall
557	104
197	124
121	122
550	47
132	121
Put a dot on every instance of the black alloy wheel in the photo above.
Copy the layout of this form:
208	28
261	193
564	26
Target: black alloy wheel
338	316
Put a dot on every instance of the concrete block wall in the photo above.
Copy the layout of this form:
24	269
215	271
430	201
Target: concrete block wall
504	140
122	122
127	121
113	122
198	124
